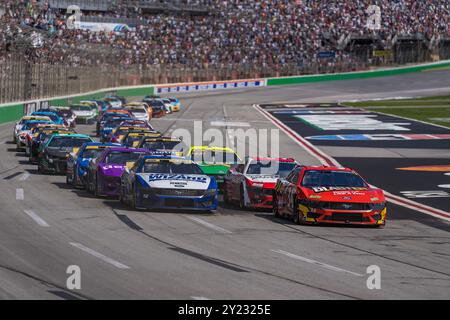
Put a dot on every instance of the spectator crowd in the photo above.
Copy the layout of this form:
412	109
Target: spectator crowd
235	32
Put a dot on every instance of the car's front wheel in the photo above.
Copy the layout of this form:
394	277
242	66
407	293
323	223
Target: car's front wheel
275	209
242	199
295	213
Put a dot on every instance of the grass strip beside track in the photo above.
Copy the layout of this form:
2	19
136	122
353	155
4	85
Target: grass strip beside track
423	109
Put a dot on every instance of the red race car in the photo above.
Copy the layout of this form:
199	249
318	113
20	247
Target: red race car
251	184
314	195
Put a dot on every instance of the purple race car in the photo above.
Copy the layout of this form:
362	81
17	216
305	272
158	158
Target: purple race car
104	172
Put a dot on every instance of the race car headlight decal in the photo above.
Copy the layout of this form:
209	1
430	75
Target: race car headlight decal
141	182
312	204
210	192
378	206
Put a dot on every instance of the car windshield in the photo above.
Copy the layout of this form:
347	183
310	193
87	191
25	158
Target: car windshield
65	113
211	156
317	178
155	103
270	167
122	157
31	125
113	123
138	110
160	145
52	116
91	153
64	142
166	166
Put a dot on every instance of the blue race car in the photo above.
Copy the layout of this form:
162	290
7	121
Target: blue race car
56	119
78	162
108	123
167	182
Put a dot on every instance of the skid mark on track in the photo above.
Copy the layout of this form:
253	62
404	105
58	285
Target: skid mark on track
46	283
222	263
365	251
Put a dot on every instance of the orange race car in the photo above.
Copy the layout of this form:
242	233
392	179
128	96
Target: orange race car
314	195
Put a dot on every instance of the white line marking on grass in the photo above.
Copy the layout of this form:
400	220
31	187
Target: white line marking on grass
209	225
36	218
317	263
19	194
99	255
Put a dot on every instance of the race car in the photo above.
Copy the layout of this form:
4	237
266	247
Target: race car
140	110
118	133
78	162
67	114
39	136
161	144
56	119
85	113
158	107
22	133
18	125
214	161
110	120
251	184
132	138
167	105
115	101
169	182
176	105
315	195
103	174
53	155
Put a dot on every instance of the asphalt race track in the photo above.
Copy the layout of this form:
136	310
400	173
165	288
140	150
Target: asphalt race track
388	151
46	226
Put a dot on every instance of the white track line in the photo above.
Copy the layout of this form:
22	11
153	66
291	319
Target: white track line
326	159
36	218
317	263
24	176
209	225
19	194
99	255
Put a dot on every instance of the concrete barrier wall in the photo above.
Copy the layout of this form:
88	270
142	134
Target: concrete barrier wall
13	111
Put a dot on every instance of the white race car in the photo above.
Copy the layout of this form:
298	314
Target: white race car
251	184
18	125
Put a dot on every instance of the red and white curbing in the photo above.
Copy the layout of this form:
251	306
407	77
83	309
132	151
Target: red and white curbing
327	160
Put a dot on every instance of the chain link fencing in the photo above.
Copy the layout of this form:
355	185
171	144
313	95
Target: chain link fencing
35	66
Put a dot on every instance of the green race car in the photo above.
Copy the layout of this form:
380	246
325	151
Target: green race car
214	161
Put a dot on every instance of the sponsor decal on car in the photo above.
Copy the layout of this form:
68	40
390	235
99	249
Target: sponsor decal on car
326	189
156	177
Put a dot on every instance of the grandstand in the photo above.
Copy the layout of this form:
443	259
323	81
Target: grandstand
185	40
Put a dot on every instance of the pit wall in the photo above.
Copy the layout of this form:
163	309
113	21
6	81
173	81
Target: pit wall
13	111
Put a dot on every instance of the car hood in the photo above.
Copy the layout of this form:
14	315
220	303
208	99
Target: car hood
139	115
214	168
59	152
347	194
113	170
175	181
269	181
83	113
